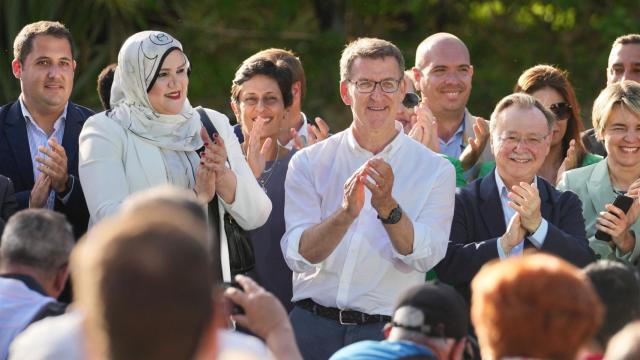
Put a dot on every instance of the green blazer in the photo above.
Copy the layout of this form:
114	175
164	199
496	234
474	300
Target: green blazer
593	186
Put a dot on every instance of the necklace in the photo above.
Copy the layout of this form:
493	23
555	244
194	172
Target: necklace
269	172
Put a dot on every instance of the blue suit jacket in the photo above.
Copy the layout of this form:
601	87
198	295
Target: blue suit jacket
478	222
15	160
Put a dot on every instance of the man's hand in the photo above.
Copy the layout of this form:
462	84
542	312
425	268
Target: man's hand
514	235
382	175
525	199
264	316
569	162
40	192
54	165
426	126
476	146
353	197
315	134
257	155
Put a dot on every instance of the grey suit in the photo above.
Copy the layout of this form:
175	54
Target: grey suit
593	185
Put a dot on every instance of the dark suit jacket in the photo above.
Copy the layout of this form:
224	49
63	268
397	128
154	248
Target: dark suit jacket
15	161
8	204
478	222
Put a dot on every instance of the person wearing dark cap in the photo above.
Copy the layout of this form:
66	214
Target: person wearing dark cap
429	322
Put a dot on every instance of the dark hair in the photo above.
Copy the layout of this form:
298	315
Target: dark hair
627	39
23	42
277	71
542	76
618	286
292	62
105	79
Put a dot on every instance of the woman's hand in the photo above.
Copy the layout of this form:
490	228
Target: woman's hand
425	129
616	223
569	162
256	155
205	175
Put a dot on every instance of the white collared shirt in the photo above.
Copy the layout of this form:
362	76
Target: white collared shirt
303	132
365	272
537	238
37	137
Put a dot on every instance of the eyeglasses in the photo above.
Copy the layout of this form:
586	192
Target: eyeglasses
410	100
369	86
561	110
529	141
267	101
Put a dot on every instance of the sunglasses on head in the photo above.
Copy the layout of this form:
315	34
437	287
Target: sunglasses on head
561	110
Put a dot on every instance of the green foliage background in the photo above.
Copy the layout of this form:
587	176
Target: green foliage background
504	37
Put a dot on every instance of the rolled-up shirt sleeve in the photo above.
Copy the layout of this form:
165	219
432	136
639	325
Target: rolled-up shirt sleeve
301	210
432	226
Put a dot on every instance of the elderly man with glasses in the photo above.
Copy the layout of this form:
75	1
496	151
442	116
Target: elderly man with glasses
367	211
512	209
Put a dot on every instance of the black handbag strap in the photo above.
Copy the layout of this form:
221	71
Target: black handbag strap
213	211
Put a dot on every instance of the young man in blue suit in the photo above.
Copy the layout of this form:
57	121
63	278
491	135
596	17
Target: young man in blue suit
512	209
39	132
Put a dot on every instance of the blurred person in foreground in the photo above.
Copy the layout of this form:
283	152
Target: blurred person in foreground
112	317
616	118
618	287
430	322
533	307
625	345
34	257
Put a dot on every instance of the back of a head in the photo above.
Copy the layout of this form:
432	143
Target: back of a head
433	310
536	306
625	345
105	80
618	287
145	284
37	238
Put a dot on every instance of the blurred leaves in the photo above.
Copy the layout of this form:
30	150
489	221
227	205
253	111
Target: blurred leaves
504	38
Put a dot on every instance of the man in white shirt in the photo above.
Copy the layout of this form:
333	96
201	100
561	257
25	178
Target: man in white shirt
367	211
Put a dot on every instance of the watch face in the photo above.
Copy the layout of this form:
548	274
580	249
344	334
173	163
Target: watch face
394	216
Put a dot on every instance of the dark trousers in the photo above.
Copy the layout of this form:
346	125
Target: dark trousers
319	337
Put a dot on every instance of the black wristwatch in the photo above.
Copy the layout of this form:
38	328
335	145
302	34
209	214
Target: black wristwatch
69	186
394	216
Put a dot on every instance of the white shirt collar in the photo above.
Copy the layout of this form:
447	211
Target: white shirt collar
501	184
388	150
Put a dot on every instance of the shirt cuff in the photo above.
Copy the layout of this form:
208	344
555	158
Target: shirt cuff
537	238
501	253
65	195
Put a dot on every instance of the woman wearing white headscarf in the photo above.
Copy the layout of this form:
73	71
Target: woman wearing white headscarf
150	137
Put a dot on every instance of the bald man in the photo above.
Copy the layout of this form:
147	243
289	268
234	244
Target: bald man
443	74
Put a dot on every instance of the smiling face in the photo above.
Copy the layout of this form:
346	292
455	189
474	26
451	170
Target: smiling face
260	97
375	111
621	137
446	77
46	76
624	63
548	96
520	143
169	92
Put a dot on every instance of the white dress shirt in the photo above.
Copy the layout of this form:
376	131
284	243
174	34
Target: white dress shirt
365	272
537	238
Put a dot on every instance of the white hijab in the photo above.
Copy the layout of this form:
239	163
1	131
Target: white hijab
139	62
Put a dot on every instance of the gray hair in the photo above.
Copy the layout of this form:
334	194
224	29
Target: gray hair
523	101
370	48
38	238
